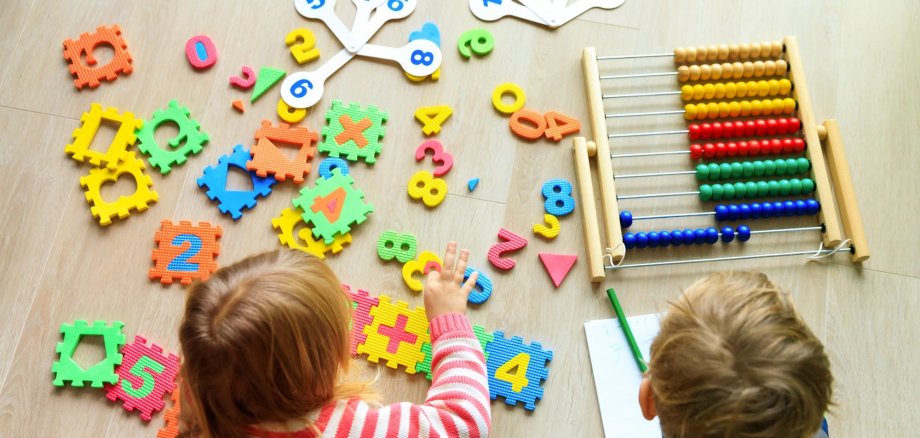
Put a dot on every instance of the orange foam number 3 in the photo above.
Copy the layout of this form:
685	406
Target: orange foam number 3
518	380
331	205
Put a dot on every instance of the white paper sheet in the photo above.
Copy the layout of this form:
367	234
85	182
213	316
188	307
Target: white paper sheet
617	376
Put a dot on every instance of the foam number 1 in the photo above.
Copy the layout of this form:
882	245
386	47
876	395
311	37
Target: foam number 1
180	263
302	44
444	159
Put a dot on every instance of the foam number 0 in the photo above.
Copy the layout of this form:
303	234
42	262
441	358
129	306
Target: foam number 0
559	200
180	263
201	51
559	125
423	185
427	261
444	160
142	370
518	379
525	130
302	44
478	41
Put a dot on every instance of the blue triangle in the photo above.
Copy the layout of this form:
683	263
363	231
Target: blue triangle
472	183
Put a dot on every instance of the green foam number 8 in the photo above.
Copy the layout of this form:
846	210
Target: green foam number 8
402	247
478	41
142	369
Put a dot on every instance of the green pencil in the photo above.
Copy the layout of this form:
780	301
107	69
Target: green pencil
626	331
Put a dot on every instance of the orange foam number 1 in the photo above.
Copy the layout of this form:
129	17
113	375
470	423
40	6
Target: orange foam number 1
305	50
331	205
518	380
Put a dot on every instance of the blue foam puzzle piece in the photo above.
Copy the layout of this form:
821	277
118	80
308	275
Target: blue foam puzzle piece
472	184
233	202
429	31
502	350
558	203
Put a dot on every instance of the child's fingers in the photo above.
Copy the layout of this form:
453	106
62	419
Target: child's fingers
470	284
449	257
461	264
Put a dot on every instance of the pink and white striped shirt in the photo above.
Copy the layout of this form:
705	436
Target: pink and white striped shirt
457	403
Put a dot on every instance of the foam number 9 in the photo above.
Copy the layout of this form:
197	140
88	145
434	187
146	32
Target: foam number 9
479	41
559	200
423	185
518	379
142	370
180	263
305	50
301	87
483	289
427	261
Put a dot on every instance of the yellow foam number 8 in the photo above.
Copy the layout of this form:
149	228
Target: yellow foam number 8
304	51
518	380
423	185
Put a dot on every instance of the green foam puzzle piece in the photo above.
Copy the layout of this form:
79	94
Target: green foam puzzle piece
190	136
372	133
267	77
67	369
338	205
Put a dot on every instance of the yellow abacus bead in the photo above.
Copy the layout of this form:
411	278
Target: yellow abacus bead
716	72
701	53
737	70
723	52
712	53
777	49
734	109
732	51
705	72
701	110
690	111
745	108
758	69
755	51
694	69
698	92
731	90
742	89
763	88
788	106
686	92
723	109
756	107
680	54
769	68
744	50
683	73
691	54
748	69
781	67
774	87
719	90
785	86
712	110
768	107
709	91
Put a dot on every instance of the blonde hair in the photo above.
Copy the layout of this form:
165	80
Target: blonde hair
266	340
734	359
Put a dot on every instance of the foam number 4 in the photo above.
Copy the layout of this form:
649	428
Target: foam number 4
430	190
330	205
402	247
426	262
559	125
142	369
509	242
559	200
529	124
180	263
302	44
444	160
432	117
518	365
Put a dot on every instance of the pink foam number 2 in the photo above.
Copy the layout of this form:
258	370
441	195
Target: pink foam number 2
509	242
201	51
246	81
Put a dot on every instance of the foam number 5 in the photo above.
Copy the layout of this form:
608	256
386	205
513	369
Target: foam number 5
559	200
142	370
402	247
478	41
304	50
427	261
518	379
180	263
444	159
423	185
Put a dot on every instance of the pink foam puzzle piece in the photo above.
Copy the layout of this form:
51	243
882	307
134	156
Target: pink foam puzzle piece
558	265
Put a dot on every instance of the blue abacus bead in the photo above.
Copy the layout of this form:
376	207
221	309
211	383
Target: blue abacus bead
712	235
641	240
779	209
721	212
699	236
728	234
653	239
756	210
800	208
744	211
744	233
629	239
677	237
813	206
789	207
767	209
626	219
329	164
689	237
664	238
733	212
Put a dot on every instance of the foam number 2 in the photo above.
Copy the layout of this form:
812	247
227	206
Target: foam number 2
142	370
423	185
509	242
518	364
444	159
180	263
302	44
559	200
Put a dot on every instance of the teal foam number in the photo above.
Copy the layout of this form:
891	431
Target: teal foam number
142	369
180	263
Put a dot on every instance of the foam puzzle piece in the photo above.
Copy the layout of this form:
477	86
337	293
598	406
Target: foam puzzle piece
558	194
425	365
173	260
267	77
530	362
246	80
139	201
363	303
290	115
267	158
238	105
472	183
232	202
66	369
478	41
525	130
483	288
558	265
145	376
333	206
303	240
329	164
190	137
484	339
402	247
352	132
171	418
201	52
89	74
83	136
396	335
424	186
515	91
443	159
559	125
549	232
508	242
425	262
432	117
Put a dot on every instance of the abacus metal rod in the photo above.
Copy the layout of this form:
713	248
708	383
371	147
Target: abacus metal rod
638	75
674	215
659	195
653	113
646	134
649	154
822	252
657	93
645	175
787	230
648	55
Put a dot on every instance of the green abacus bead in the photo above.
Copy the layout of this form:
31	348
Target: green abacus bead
759	168
747	169
705	192
728	191
750	188
803	164
740	190
717	192
713	172
725	171
702	172
780	167
808	185
774	188
784	187
737	170
795	186
769	168
763	189
792	166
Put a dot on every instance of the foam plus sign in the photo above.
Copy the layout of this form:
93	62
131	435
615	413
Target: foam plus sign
397	334
353	131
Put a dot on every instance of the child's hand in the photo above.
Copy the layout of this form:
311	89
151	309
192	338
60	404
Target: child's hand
443	290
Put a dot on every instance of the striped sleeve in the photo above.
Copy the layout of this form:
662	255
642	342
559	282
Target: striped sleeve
457	403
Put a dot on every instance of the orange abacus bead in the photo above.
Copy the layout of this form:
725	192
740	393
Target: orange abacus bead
732	90
690	55
736	70
745	108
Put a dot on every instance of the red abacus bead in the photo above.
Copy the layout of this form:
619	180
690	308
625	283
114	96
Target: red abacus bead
782	125
731	149
709	150
761	127
776	146
717	130
720	150
706	131
728	129
743	148
788	146
794	124
771	127
799	144
696	151
694	129
755	147
749	128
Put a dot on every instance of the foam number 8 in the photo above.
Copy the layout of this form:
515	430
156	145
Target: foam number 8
518	380
483	289
180	263
559	200
142	370
427	261
300	88
423	185
395	5
421	57
479	41
402	247
305	50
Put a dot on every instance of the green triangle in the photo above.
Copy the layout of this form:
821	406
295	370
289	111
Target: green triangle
267	78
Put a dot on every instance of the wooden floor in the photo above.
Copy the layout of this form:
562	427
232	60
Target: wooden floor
58	265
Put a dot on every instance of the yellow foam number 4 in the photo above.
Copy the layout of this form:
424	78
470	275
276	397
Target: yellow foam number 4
305	50
432	117
518	380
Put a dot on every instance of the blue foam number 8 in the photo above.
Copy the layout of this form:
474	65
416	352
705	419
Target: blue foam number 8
421	57
395	5
300	88
483	289
558	194
180	263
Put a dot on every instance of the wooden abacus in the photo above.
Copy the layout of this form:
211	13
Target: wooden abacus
734	82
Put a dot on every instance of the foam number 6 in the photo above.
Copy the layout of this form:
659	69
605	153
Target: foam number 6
518	379
483	288
180	263
305	50
402	247
478	41
427	261
142	370
523	130
444	159
423	185
559	200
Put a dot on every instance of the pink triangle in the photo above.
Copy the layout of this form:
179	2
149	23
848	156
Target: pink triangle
558	265
331	205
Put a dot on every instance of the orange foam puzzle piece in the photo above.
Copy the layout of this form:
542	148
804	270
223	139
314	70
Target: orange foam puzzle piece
173	260
171	428
268	159
88	73
353	131
238	105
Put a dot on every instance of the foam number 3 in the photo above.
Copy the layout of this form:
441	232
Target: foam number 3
559	200
423	185
426	262
180	263
518	365
444	160
142	369
508	242
302	44
402	247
